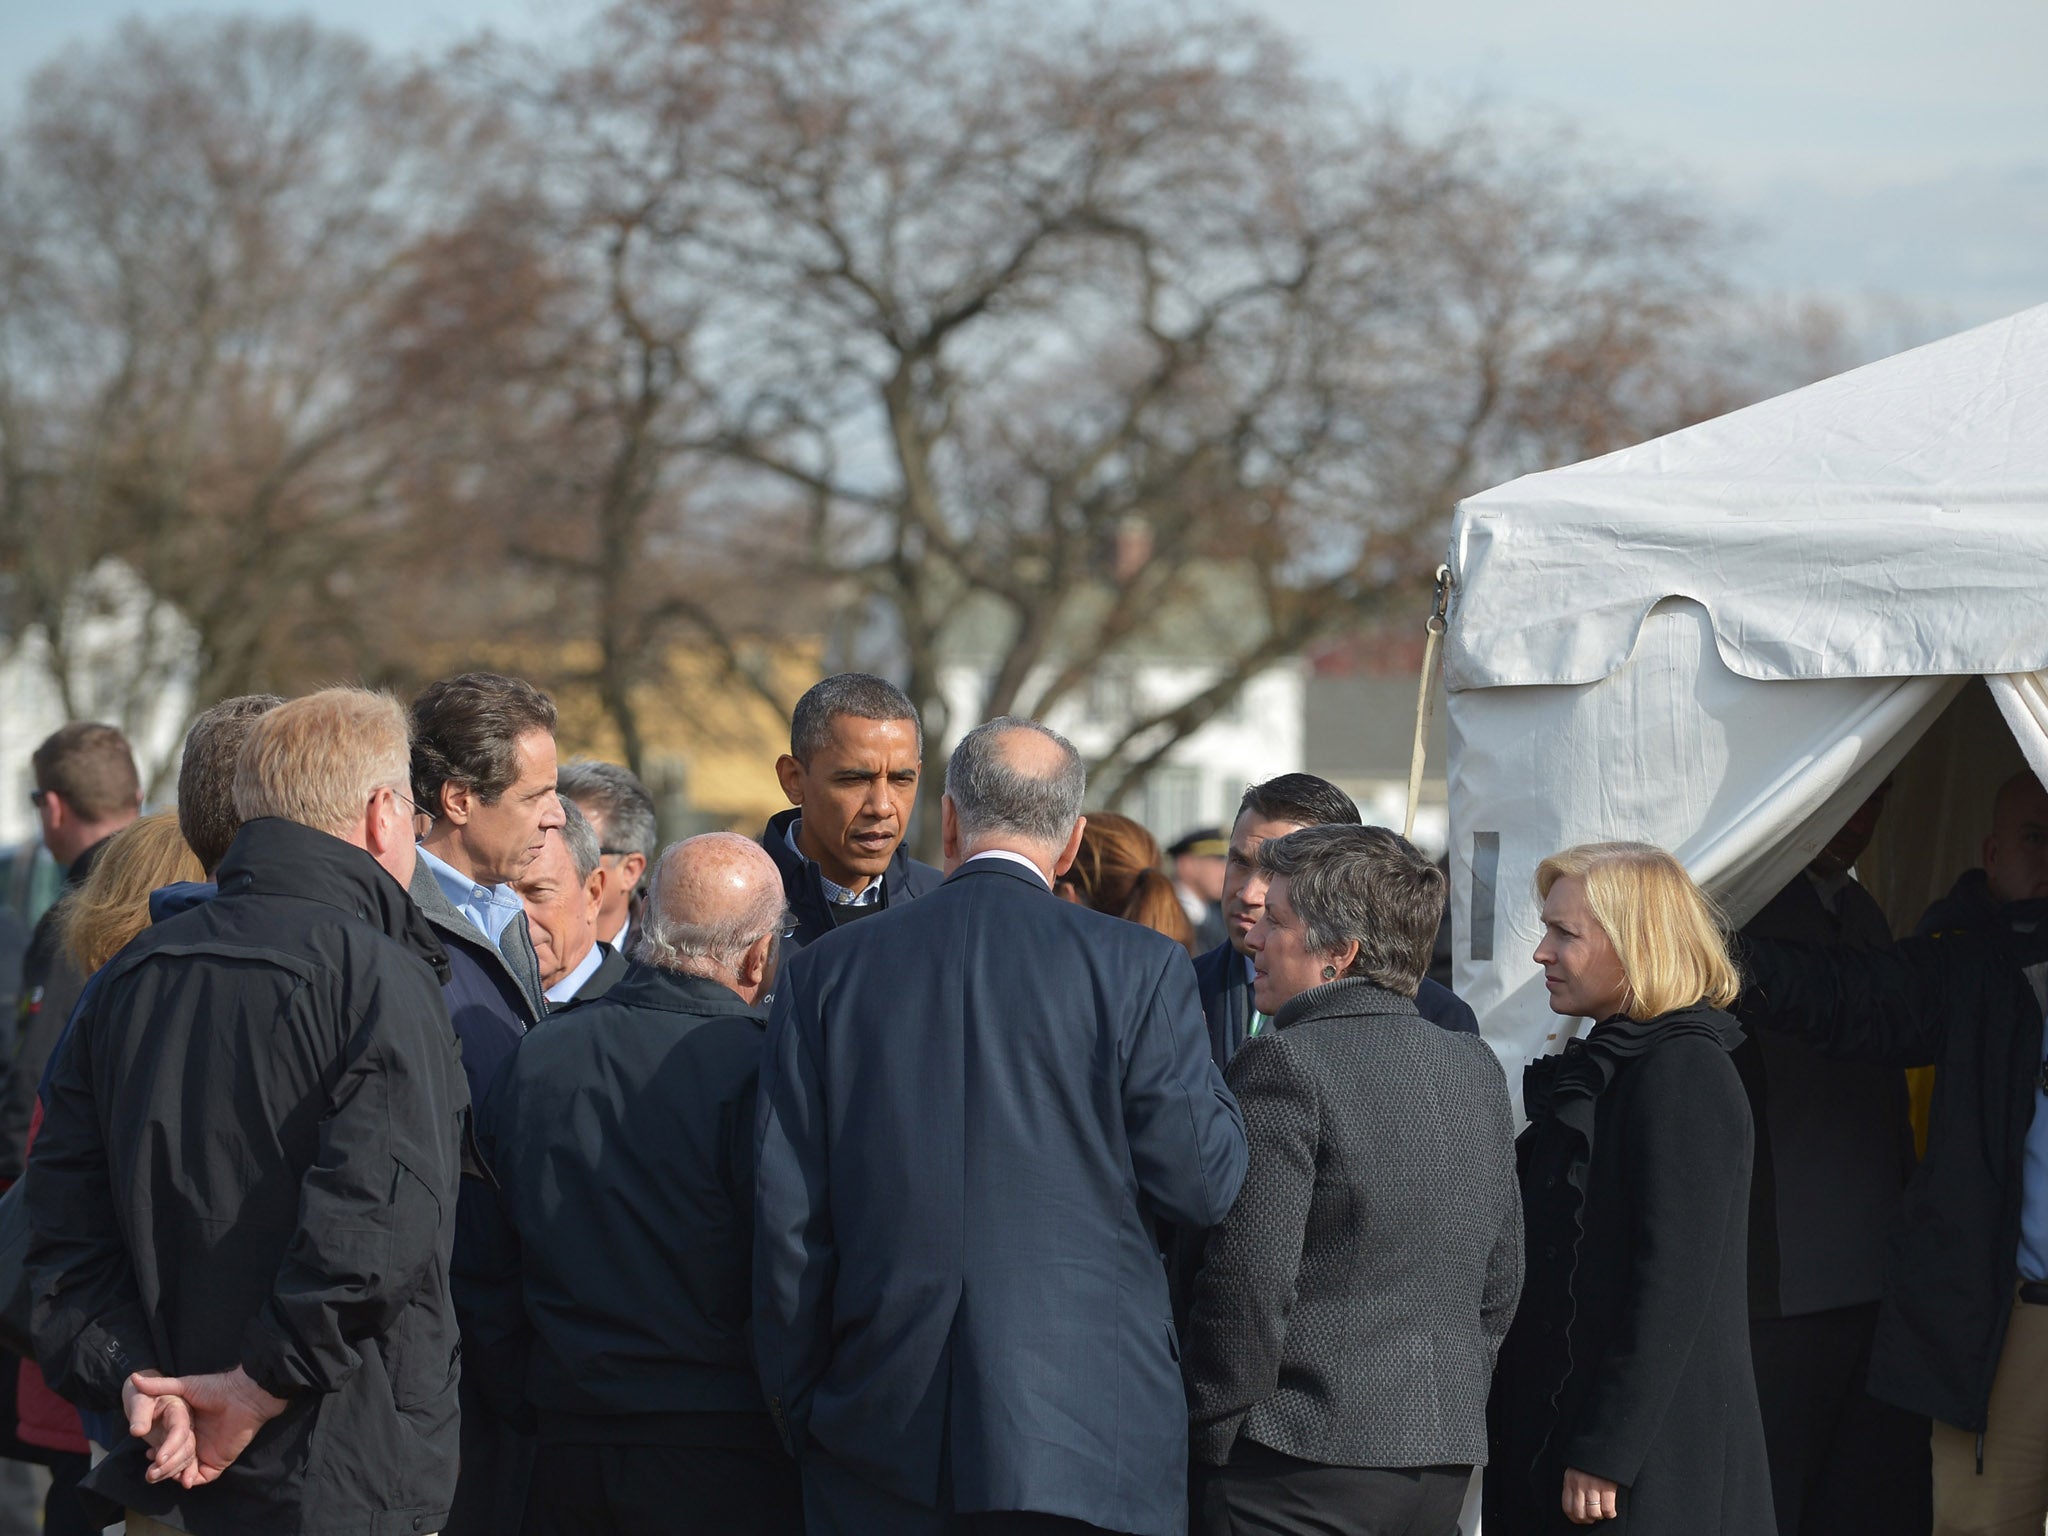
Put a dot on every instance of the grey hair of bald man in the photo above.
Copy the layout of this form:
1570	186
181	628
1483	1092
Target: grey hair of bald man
699	940
993	796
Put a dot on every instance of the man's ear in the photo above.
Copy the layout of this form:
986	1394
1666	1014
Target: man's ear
631	868
458	803
753	967
1072	851
949	831
593	890
385	824
789	773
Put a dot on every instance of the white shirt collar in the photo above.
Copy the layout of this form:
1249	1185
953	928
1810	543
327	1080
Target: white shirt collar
572	983
1014	858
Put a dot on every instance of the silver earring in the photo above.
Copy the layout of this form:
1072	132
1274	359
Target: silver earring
1329	972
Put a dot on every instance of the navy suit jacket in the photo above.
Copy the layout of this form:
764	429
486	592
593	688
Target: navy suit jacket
971	1109
1227	1002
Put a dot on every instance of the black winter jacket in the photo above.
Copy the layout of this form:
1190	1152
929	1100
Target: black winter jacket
1629	1356
621	1134
1957	997
50	987
905	880
249	1155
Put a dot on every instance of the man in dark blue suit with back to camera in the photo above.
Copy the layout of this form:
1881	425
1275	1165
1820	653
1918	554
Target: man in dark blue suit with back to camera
971	1110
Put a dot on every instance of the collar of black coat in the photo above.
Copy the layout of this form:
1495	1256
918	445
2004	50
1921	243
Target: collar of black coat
801	878
274	857
650	986
1346	997
1582	1071
76	871
1969	907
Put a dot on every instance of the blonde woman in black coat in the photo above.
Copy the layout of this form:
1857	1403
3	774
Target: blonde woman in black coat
1625	1392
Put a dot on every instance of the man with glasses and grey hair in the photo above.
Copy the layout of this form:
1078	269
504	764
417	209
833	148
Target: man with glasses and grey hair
621	1139
621	812
973	1108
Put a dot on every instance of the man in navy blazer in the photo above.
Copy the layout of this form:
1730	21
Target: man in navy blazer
1224	974
972	1109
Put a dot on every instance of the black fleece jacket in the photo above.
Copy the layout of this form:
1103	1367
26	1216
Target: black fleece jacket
249	1155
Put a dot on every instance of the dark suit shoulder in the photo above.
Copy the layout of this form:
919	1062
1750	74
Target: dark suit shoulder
1444	1008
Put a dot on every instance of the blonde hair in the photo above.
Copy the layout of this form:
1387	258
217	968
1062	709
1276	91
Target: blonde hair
1666	933
112	905
318	759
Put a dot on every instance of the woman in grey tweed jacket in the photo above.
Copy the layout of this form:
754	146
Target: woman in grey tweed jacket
1349	1308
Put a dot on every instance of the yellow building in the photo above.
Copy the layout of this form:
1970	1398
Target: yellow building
709	743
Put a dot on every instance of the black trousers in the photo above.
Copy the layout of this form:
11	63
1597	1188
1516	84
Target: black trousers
1263	1493
837	1503
662	1490
1842	1463
497	1459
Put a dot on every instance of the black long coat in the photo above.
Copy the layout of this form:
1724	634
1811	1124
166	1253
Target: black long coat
1629	1356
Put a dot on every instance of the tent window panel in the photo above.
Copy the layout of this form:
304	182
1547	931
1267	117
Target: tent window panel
1485	875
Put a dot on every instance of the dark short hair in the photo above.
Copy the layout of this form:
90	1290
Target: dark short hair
1302	798
466	730
92	767
859	694
206	774
990	795
1363	883
615	797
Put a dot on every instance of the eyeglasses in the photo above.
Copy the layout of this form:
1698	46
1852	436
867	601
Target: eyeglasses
36	797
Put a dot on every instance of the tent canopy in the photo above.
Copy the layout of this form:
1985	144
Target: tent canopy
1721	641
1889	522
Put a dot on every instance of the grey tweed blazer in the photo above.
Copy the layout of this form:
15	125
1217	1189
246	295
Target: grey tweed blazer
1349	1308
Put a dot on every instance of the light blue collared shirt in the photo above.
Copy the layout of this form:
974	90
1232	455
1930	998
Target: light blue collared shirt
572	981
838	895
490	907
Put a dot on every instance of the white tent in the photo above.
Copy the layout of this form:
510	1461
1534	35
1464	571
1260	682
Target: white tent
1721	641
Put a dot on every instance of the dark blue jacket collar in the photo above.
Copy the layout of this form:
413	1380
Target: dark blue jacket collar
649	986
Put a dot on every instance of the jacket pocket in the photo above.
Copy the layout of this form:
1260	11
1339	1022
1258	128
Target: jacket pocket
421	1352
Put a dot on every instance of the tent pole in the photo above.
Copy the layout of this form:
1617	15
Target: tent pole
1425	694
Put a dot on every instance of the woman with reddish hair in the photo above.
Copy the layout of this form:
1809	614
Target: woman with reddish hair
1121	871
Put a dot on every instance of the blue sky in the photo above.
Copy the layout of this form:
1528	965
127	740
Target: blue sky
1868	147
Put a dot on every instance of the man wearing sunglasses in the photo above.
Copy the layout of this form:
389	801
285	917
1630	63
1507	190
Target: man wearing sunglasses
86	790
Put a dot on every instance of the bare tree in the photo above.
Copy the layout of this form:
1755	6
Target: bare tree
1077	320
206	218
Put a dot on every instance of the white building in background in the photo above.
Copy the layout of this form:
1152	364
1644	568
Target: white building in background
133	663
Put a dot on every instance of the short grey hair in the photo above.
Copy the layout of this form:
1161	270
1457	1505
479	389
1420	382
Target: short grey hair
697	943
990	795
1362	883
617	798
860	694
579	837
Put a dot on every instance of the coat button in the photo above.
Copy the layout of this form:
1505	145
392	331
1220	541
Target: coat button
1550	1182
1550	1250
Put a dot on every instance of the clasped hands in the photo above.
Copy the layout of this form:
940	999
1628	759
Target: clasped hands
195	1426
